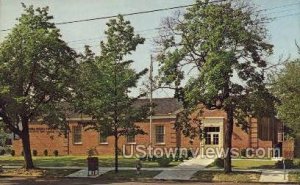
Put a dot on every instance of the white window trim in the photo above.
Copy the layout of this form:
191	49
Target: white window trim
102	143
77	143
133	142
160	143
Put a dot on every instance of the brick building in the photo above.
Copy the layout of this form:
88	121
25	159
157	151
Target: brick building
263	133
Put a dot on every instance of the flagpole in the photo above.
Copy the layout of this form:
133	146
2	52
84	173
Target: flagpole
151	91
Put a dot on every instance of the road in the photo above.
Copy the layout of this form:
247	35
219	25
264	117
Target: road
65	181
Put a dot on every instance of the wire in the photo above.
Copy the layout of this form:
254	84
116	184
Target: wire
276	7
127	14
278	17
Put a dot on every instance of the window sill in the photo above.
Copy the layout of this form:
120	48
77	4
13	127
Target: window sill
104	143
131	143
78	143
160	144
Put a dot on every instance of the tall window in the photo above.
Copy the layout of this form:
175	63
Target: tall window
77	135
102	139
207	138
160	134
130	139
215	139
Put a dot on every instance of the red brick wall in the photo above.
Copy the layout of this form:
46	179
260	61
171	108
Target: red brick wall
51	140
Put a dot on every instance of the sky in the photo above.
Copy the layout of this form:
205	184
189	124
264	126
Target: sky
283	31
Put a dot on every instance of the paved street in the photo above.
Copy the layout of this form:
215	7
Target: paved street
81	181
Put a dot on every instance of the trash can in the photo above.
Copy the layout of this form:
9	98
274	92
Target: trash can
93	165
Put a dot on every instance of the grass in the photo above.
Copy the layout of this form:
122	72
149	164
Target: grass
253	164
128	175
80	161
36	173
218	176
249	164
294	177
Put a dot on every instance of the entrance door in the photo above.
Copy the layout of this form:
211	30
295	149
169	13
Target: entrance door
212	138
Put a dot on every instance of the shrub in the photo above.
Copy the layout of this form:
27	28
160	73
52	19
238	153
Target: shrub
243	152
164	161
34	152
288	164
143	158
219	162
55	153
8	151
2	152
12	152
190	153
250	153
181	159
154	158
91	152
297	163
45	152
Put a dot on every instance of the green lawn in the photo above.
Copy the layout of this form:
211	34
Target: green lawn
250	164
253	164
294	177
128	175
36	172
218	176
104	161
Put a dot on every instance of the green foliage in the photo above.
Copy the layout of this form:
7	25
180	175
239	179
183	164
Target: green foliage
296	163
3	135
37	70
55	153
288	164
224	46
13	153
45	152
106	81
243	152
2	152
164	161
34	152
286	87
218	162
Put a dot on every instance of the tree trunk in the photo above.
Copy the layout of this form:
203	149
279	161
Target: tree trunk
116	155
228	140
26	145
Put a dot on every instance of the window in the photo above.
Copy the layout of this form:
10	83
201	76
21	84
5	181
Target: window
212	129
160	134
102	139
207	139
215	139
211	135
131	139
77	137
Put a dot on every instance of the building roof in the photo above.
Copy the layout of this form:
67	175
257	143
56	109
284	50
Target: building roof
162	106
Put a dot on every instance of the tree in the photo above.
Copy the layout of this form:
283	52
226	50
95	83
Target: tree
36	69
106	82
222	45
285	85
3	136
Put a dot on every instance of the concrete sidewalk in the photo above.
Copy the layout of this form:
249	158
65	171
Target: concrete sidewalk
274	176
185	170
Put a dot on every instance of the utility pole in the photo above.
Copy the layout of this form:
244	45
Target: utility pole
151	91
